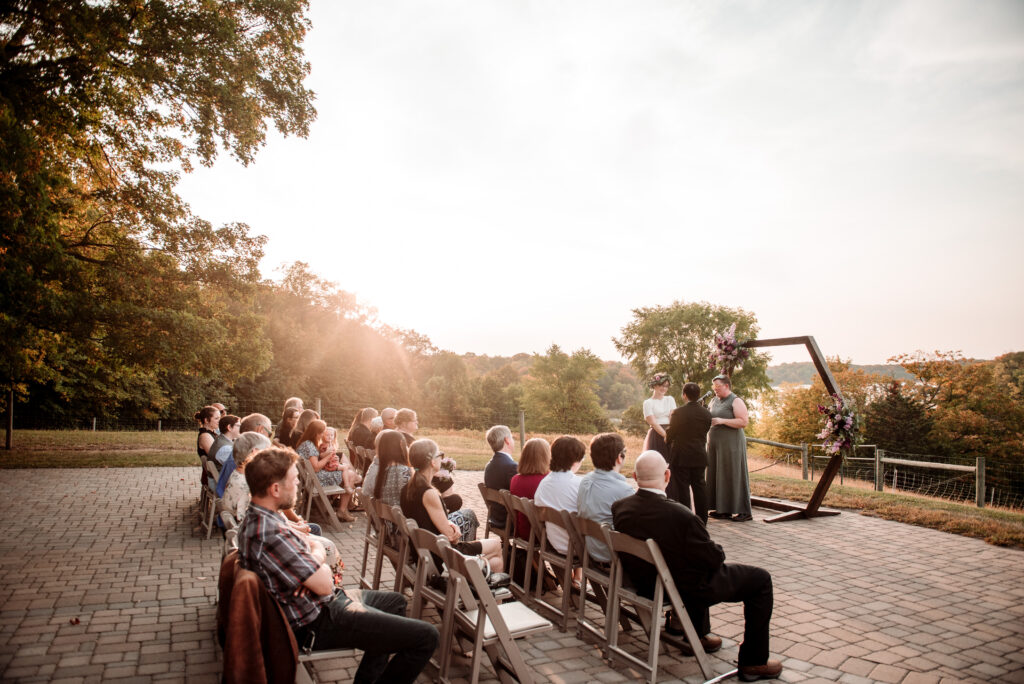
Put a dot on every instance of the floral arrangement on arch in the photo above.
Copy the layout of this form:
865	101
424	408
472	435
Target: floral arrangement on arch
728	353
444	478
842	428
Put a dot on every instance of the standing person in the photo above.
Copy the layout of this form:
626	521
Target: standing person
286	434
534	464
499	471
408	423
728	480
294	571
698	568
657	411
687	440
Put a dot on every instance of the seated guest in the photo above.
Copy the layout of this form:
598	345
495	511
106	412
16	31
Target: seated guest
387	419
229	428
697	565
220	407
257	422
421	502
293	402
286	434
534	464
294	571
688	454
305	418
603	487
236	494
207	417
408	423
328	468
349	475
561	486
361	432
499	470
390	469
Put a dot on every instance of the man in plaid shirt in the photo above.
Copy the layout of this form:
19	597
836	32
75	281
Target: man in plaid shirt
294	572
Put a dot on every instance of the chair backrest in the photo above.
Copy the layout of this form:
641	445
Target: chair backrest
212	476
523	590
494	496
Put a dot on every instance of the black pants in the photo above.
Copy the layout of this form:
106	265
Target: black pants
682	480
734	583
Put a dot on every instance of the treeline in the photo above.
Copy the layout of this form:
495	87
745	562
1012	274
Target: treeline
803	373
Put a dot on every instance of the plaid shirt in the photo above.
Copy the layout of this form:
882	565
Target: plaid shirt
268	546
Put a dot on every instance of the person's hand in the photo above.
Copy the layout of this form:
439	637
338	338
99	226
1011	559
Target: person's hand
716	421
454	533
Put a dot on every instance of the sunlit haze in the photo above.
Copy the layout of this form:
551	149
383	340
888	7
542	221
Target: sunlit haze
501	176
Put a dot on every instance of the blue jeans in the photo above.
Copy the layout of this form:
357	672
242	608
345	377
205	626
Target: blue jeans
377	625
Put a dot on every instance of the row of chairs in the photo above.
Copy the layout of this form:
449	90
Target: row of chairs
604	585
469	609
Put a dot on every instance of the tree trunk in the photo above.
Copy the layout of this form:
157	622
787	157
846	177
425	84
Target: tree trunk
10	418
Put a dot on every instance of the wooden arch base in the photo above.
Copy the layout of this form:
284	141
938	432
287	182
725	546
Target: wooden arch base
813	508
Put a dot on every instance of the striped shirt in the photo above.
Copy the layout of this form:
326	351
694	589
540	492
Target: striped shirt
268	546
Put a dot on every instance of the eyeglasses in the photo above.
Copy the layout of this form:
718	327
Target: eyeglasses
439	454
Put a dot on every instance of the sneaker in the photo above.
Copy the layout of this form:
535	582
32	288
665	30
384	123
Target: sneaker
751	673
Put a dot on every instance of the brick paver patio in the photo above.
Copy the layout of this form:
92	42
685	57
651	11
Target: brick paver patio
106	577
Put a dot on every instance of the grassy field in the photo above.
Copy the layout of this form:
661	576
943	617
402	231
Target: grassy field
86	449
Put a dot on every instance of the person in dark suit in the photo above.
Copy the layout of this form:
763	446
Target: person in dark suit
687	437
697	565
499	470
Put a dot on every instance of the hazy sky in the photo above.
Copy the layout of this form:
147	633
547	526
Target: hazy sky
501	176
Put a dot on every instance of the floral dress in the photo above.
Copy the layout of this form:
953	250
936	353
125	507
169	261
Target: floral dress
328	478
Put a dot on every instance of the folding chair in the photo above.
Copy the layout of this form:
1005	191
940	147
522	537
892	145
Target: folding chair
405	571
517	504
562	564
370	540
213	502
425	590
246	620
390	545
596	584
493	628
318	494
494	496
204	491
651	611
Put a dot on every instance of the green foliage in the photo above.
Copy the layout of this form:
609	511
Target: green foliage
561	392
803	373
633	422
619	387
114	294
678	338
897	422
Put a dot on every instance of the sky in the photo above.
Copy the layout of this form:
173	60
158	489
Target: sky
502	176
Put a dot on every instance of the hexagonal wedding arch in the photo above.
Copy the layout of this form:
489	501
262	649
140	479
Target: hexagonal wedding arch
813	508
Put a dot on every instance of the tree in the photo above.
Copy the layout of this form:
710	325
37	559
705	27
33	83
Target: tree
678	338
99	102
897	422
1009	371
561	392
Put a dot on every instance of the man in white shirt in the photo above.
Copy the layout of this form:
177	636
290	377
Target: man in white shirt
603	487
559	488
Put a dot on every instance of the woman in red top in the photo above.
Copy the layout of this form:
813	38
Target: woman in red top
534	464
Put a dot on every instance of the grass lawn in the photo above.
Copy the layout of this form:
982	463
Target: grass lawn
87	449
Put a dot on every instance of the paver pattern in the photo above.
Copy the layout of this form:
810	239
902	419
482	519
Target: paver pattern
106	577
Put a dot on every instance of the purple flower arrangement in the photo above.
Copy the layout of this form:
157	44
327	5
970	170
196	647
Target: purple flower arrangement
841	426
728	352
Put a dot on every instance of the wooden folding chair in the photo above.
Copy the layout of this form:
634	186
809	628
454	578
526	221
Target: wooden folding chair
426	545
390	545
651	611
494	496
213	502
367	576
596	584
317	494
517	504
561	564
493	628
405	571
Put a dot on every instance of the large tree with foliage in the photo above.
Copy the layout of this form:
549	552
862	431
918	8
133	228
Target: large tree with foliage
561	392
897	422
110	285
678	338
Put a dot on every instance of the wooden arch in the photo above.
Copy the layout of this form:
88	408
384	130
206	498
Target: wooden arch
813	507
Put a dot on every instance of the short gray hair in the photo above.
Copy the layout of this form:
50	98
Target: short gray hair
497	435
245	443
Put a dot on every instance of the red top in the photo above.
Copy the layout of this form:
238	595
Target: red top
524	486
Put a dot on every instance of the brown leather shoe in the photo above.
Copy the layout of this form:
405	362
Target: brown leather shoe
751	673
709	642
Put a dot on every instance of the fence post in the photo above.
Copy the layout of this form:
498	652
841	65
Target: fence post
159	426
94	425
522	429
979	481
8	439
879	473
319	408
803	460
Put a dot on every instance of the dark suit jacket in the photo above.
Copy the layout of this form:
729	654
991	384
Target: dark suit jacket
498	475
688	550
688	436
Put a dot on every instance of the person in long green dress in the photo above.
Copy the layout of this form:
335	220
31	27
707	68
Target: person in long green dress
728	480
